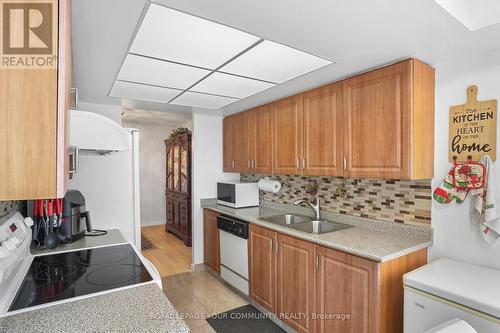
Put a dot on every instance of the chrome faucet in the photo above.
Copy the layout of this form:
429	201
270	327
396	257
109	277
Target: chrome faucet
315	207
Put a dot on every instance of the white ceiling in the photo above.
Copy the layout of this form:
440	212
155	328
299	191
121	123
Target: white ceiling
356	34
177	50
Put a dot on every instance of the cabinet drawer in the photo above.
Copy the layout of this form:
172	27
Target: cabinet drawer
422	313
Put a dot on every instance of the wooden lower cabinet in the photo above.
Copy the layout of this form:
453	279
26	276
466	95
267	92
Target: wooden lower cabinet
262	266
347	293
211	249
296	284
317	289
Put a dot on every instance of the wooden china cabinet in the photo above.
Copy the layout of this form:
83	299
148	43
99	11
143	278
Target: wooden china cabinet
178	187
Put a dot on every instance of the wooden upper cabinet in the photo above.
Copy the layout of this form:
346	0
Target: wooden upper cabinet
34	107
323	136
228	144
296	282
261	141
287	135
346	285
379	124
262	266
387	111
241	142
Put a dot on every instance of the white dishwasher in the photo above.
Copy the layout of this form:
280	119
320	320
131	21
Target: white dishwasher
447	289
233	234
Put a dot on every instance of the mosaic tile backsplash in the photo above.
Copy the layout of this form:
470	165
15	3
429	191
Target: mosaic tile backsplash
400	201
8	206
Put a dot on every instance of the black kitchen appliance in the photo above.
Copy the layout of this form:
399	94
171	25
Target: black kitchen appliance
76	218
66	275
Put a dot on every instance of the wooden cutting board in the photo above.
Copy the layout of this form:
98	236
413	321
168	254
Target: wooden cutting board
473	128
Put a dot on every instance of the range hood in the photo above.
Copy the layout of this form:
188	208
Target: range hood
93	133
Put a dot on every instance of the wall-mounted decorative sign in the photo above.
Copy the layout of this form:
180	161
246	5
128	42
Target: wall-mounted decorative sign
473	128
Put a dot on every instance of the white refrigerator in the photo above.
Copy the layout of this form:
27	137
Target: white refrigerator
107	172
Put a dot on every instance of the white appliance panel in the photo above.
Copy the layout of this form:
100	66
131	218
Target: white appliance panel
422	312
235	280
234	253
110	186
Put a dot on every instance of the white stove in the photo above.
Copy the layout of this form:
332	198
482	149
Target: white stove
30	282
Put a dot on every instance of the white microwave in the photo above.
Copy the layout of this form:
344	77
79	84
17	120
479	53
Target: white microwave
237	194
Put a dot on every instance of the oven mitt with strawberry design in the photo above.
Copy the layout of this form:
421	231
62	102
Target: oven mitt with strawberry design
446	191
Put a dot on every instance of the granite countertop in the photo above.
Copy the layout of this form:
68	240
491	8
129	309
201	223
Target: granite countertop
375	240
113	236
138	309
143	308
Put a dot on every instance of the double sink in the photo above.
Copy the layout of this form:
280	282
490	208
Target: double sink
306	224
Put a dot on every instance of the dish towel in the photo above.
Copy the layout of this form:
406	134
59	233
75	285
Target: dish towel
484	205
446	192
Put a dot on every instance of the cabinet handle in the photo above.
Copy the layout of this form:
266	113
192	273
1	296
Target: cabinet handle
317	262
248	164
345	162
271	245
298	163
277	247
253	164
419	305
232	164
303	163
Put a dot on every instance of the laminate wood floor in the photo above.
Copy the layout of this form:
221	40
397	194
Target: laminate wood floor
198	295
168	253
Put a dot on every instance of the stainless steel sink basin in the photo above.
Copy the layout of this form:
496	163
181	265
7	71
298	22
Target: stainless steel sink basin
320	226
287	219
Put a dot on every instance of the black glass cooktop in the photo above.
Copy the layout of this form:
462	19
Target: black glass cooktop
70	274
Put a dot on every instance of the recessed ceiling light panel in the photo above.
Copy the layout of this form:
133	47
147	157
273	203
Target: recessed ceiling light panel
158	72
230	85
172	35
202	100
274	62
474	14
143	92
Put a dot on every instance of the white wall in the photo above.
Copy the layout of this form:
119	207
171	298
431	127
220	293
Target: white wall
113	112
152	171
454	235
207	170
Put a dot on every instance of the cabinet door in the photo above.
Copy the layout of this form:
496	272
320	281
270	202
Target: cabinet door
296	282
261	141
241	142
169	212
228	144
34	108
64	96
183	217
262	264
323	131
211	240
287	135
346	285
377	106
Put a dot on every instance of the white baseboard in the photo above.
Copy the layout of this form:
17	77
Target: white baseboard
152	223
